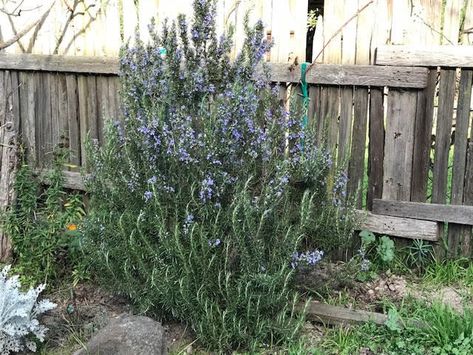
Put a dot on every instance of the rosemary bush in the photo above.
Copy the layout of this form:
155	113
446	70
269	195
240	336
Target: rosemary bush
208	194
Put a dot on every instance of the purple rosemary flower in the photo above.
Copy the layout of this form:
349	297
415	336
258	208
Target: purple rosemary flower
147	195
206	189
215	243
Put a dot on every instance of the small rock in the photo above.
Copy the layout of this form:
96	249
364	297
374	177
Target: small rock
127	335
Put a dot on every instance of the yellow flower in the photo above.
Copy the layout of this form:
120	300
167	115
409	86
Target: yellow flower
71	227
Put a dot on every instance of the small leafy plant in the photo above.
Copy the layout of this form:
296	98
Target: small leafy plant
42	224
380	250
19	311
420	254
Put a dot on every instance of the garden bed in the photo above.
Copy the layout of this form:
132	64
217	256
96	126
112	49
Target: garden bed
84	309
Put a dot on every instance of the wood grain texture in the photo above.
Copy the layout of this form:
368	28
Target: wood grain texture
336	315
59	63
427	211
43	123
398	227
459	237
431	56
359	75
82	91
8	163
72	180
73	119
346	124
443	134
423	139
462	122
398	145
331	118
362	75
356	170
376	146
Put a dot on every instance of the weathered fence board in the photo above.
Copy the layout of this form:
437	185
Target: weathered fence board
432	56
399	227
443	134
73	119
422	139
346	123
427	211
376	146
335	315
331	113
398	145
327	74
358	75
59	63
357	162
460	235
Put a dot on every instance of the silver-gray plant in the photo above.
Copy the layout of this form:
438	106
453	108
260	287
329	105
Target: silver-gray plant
19	312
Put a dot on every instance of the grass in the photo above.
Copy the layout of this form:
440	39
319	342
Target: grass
450	272
443	332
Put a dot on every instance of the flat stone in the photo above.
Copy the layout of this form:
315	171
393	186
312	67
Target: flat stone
127	335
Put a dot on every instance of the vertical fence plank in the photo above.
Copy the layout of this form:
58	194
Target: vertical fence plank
357	159
82	108
103	105
376	146
331	119
346	123
322	113
315	95
459	236
23	127
73	119
399	143
423	139
55	126
8	111
443	133
92	120
2	105
62	111
442	143
313	105
15	99
43	116
30	128
113	92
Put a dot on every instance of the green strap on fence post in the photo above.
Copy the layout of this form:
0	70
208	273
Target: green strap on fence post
305	100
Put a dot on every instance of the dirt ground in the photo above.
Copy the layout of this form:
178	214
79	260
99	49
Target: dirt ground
83	310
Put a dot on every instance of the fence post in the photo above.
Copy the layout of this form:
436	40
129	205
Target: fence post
8	148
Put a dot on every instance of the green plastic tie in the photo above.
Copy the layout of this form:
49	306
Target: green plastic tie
305	100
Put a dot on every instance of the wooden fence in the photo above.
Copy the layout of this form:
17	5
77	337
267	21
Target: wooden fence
407	142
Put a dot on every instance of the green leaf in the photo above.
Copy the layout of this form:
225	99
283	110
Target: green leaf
392	322
367	237
385	249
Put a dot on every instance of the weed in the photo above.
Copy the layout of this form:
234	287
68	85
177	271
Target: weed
42	224
431	329
450	272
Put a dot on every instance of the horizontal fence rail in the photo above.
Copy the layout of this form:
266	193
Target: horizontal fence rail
357	75
431	56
